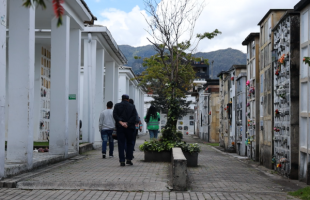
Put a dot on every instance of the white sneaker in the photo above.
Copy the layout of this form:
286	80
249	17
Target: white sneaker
111	156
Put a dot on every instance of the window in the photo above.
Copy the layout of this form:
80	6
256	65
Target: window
253	49
262	83
304	67
269	29
304	27
253	68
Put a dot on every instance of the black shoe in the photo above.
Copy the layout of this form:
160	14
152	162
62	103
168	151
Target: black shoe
128	162
103	155
122	164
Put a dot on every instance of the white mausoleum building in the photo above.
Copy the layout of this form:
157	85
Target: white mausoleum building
51	78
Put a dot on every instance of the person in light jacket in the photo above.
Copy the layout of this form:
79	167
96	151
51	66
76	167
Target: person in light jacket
106	127
152	119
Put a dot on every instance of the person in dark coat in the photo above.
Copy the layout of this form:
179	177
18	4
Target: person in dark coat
125	116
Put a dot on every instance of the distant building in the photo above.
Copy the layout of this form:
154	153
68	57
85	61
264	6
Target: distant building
252	43
266	124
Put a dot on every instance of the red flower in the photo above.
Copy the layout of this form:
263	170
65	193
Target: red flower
58	10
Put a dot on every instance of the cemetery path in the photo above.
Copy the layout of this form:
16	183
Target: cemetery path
218	176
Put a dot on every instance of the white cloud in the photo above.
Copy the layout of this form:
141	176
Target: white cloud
236	19
126	28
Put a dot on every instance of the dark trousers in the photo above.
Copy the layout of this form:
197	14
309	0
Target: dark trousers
134	138
125	138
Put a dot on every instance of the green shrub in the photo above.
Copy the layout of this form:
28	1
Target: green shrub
167	145
179	135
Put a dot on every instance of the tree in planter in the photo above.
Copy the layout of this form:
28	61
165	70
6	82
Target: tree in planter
171	27
58	9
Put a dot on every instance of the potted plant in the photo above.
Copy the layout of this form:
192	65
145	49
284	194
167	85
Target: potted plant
160	150
190	152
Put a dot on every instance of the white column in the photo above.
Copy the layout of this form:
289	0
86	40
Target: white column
116	84
74	88
2	84
110	87
99	106
84	116
21	83
122	86
60	39
92	47
37	93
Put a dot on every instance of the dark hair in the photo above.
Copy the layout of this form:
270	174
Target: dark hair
131	101
110	104
152	112
125	96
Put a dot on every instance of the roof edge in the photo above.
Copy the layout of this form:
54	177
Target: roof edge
250	37
301	5
271	10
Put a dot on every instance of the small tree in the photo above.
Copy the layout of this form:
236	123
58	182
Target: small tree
171	28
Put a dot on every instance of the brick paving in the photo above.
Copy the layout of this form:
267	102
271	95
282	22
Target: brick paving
218	176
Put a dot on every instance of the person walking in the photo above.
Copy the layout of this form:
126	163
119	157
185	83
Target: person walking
125	116
106	127
138	126
152	119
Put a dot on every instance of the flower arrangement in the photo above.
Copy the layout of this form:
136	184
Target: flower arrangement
247	83
276	112
232	78
252	90
281	60
276	129
282	96
306	60
209	112
277	72
248	104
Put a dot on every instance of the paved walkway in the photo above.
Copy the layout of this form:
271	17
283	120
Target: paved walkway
219	176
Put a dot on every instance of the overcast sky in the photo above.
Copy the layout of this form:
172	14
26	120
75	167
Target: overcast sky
234	18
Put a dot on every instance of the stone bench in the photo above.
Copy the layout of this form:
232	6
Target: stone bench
178	170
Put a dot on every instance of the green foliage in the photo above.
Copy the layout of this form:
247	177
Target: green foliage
303	193
167	145
307	60
213	144
41	3
179	135
208	35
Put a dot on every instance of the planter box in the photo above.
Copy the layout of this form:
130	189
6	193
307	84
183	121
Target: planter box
153	156
192	159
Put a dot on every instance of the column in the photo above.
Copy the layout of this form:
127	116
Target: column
37	92
99	105
116	85
60	39
21	83
123	86
74	88
110	87
2	84
84	99
92	49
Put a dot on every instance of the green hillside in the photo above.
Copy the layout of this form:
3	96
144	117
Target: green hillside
223	59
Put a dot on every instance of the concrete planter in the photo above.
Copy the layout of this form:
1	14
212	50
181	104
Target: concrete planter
153	156
192	159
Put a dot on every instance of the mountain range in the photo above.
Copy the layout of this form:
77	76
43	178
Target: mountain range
222	59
